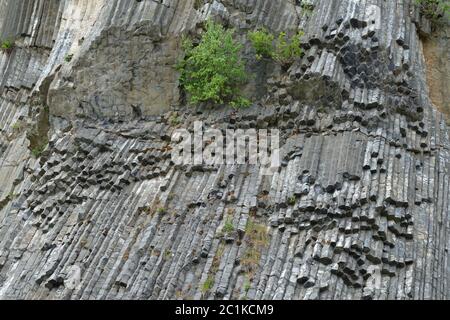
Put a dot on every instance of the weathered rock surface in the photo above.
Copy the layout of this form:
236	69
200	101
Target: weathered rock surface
359	209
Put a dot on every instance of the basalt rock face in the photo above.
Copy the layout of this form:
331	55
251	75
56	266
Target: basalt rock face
358	209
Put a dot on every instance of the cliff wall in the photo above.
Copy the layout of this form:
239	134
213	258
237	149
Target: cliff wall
91	206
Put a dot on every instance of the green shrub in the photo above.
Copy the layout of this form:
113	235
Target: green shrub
284	50
262	41
213	70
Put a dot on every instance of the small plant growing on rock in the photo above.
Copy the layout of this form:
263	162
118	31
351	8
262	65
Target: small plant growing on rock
11	195
434	10
18	125
39	149
7	46
167	254
284	50
307	7
213	71
262	42
287	50
228	227
247	285
174	119
292	200
198	4
68	58
161	210
257	239
208	284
